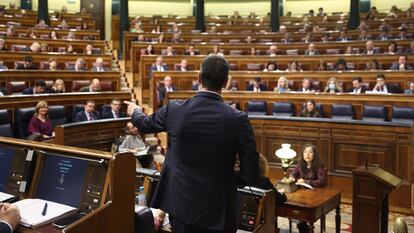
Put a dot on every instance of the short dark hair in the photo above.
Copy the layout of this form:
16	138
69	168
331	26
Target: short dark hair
341	61
258	79
214	72
40	83
380	76
359	79
28	59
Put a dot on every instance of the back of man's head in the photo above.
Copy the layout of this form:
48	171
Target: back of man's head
214	72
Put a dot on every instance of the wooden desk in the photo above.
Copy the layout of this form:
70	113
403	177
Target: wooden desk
310	205
82	34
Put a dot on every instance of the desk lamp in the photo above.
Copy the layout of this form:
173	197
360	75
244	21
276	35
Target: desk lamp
286	155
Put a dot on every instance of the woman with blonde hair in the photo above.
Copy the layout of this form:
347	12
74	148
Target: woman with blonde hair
40	125
332	86
282	85
59	86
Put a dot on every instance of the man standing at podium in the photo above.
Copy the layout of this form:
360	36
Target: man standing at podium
9	217
198	184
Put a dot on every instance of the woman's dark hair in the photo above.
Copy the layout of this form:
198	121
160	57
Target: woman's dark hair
271	63
214	72
315	162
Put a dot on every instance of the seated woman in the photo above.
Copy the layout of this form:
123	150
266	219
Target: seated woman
58	86
40	126
53	64
282	85
372	65
293	67
332	86
310	110
270	67
391	48
265	183
309	170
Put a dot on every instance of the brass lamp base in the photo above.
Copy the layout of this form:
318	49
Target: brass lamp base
289	187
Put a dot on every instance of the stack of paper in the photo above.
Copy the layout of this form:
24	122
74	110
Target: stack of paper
33	213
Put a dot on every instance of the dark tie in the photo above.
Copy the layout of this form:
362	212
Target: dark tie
116	115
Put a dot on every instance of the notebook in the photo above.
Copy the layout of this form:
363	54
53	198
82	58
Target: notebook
32	210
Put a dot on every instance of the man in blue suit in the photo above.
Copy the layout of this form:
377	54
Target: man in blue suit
198	183
88	114
158	66
9	217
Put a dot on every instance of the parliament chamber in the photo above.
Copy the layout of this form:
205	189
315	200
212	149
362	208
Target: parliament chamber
68	70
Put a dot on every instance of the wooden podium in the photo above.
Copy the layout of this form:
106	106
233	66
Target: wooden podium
372	186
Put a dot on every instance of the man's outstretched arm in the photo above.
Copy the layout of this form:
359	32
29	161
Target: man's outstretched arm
154	123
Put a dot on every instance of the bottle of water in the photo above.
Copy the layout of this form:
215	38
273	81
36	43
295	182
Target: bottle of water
142	201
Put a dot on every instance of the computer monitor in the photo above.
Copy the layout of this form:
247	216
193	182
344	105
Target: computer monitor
12	168
72	181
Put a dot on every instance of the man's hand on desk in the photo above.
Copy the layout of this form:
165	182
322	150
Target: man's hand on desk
10	214
131	107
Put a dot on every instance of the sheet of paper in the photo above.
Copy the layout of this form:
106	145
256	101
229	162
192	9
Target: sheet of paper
4	197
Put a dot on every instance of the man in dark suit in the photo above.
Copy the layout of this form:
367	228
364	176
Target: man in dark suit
94	86
99	65
79	65
167	87
357	87
257	85
9	217
383	87
369	48
158	66
88	114
198	185
27	65
183	66
114	112
401	64
311	50
39	88
191	51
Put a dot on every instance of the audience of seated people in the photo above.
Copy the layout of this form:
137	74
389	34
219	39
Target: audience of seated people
115	111
40	126
38	88
88	113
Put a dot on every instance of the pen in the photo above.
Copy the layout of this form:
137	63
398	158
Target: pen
44	212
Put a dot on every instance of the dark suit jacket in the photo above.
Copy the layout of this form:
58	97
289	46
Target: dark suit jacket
154	68
109	115
179	68
351	90
3	90
73	68
195	53
392	88
251	87
4	228
316	52
81	116
85	89
22	67
198	184
162	91
396	66
28	91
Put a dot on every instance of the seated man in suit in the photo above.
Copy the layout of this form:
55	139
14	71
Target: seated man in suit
99	65
369	48
357	87
287	38
344	37
115	111
158	66
257	86
382	87
9	217
191	51
273	51
306	86
94	86
402	64
89	49
169	51
88	114
311	50
183	66
384	35
39	88
410	91
133	142
27	65
364	35
168	87
79	65
34	48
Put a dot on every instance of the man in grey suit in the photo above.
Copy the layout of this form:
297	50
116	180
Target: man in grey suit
198	184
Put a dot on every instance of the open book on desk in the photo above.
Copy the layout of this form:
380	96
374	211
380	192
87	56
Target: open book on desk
34	213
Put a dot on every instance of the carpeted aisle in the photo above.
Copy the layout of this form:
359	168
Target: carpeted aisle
346	221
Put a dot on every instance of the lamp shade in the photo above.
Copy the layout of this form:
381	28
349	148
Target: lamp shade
285	152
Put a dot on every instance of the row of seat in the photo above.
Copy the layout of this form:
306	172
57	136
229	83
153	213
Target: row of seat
17	87
58	114
339	111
